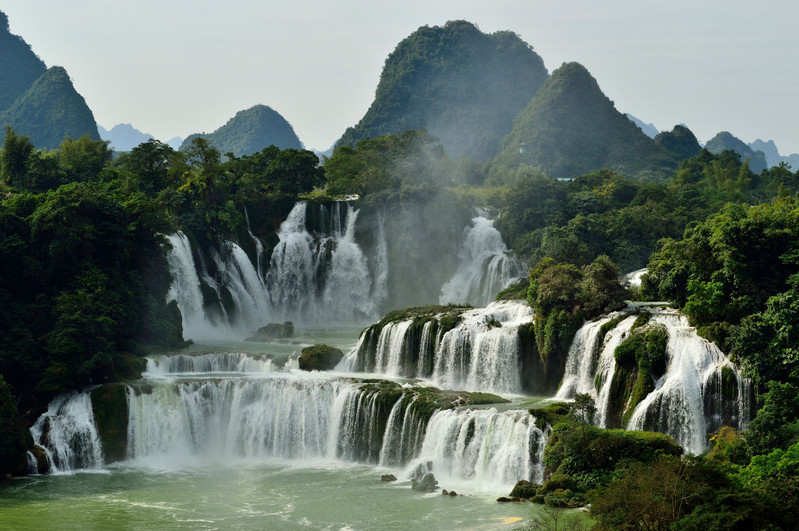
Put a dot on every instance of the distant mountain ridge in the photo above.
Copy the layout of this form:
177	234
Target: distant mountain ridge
124	137
571	128
250	131
649	129
726	141
36	101
464	86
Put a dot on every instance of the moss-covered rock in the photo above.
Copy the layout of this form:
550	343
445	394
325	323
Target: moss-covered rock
110	409
320	358
524	489
640	361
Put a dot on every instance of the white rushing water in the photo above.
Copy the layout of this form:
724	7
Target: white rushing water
68	434
481	353
485	445
209	362
485	267
687	402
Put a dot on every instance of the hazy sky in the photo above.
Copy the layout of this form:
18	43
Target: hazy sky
176	67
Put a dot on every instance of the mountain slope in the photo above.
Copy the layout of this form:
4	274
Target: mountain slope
462	85
680	141
49	111
250	131
19	66
571	128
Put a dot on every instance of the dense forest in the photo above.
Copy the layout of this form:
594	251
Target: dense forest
83	274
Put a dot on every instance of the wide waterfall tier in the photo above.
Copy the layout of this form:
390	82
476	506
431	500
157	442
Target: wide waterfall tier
651	371
224	362
486	267
176	423
477	349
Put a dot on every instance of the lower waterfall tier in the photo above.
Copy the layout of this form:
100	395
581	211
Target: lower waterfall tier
186	423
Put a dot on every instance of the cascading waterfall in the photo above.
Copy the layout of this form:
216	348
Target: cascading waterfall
209	362
700	391
688	401
484	444
185	290
486	267
481	353
245	286
323	278
68	434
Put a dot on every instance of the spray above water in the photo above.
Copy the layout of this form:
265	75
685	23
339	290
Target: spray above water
485	268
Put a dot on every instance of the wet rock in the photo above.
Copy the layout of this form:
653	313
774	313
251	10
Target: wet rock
444	492
453	493
524	489
388	477
319	358
503	499
274	331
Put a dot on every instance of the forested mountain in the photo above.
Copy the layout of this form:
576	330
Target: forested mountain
250	131
725	141
51	110
680	141
571	128
462	85
19	66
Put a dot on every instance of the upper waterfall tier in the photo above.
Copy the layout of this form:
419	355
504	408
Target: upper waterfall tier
485	267
474	349
688	391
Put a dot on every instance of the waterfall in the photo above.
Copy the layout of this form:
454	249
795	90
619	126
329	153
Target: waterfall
687	402
185	290
259	247
323	277
581	361
68	434
700	391
484	444
245	286
485	267
481	353
209	362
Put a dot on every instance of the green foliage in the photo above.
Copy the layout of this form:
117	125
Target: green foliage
640	361
14	439
385	166
776	424
655	495
462	85
249	132
514	292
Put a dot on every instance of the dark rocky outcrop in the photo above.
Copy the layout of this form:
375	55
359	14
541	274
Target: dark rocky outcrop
320	358
274	331
110	409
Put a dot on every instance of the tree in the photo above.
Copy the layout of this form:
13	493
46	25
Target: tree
14	158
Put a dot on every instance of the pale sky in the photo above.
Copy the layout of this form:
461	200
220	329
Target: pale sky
176	67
